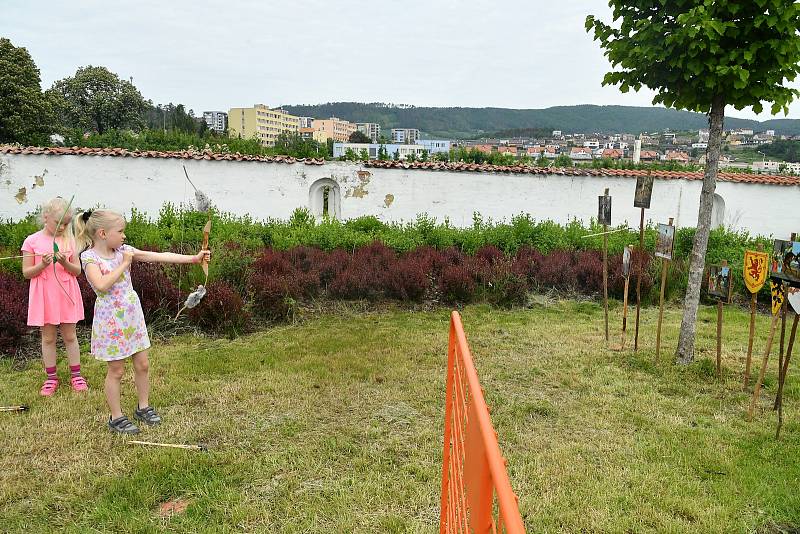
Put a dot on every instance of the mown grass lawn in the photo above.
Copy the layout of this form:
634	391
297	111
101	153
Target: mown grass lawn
335	425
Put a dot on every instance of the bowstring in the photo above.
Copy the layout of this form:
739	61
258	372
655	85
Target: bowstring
180	248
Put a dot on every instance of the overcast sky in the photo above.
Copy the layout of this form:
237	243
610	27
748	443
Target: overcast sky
217	55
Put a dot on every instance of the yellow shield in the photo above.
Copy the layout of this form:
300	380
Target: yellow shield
755	270
778	294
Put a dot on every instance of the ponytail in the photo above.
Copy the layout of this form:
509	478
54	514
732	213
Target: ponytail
89	222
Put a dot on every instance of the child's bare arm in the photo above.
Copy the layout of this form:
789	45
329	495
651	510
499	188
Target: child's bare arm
31	269
72	266
103	282
170	257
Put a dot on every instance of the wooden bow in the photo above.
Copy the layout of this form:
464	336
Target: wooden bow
55	250
206	234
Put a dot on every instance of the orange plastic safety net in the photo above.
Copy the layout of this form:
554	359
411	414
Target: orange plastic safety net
476	492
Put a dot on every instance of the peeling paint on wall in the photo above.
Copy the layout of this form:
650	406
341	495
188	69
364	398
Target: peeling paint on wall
387	201
38	181
360	191
21	196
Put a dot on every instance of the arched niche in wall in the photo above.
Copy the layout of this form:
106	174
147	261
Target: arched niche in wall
717	212
325	199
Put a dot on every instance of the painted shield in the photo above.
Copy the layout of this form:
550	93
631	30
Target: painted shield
777	296
794	298
755	270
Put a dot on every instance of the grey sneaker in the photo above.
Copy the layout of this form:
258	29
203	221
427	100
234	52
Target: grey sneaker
122	425
147	415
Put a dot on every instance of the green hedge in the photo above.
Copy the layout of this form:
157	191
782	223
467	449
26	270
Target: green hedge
175	229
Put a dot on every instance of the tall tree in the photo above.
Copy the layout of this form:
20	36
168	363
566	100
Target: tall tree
26	115
359	137
97	99
703	56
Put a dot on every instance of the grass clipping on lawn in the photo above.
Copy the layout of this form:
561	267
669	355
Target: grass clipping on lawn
335	425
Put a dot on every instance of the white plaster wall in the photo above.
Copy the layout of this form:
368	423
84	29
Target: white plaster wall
273	190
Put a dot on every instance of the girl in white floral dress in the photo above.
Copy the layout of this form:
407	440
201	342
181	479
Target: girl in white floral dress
118	329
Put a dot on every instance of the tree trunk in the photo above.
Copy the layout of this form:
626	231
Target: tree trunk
685	351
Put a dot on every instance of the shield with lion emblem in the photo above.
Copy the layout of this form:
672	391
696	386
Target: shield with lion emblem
755	270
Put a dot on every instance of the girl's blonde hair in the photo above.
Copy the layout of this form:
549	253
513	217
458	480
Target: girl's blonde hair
57	207
89	222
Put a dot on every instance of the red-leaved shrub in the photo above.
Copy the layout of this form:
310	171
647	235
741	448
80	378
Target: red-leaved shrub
616	282
13	312
275	284
221	311
89	297
408	279
489	254
364	276
528	261
157	293
557	270
457	284
589	271
503	285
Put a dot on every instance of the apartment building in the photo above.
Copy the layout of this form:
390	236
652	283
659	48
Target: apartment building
335	128
216	120
408	136
370	129
261	122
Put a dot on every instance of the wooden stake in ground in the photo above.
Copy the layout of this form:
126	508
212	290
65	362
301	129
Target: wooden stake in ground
779	396
641	199
755	274
664	247
770	337
720	285
626	273
604	218
639	281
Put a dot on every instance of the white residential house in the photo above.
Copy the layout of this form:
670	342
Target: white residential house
594	144
306	122
407	136
216	120
370	129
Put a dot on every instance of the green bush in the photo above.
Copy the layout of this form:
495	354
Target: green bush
180	228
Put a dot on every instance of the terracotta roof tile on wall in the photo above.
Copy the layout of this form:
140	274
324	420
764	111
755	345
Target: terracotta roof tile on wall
426	165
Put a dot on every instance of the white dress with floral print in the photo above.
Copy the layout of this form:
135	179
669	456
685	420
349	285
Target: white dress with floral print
118	328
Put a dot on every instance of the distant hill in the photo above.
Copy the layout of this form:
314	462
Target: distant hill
464	123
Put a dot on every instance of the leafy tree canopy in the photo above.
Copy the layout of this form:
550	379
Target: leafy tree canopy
26	115
96	99
359	137
691	52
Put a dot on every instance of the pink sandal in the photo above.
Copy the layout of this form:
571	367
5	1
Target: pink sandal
49	387
79	383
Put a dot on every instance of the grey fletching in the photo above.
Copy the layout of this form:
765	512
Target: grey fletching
195	297
202	201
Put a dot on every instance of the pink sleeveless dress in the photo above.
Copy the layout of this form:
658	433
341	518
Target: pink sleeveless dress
47	301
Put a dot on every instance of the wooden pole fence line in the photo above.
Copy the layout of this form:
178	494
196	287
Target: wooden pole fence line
779	396
664	268
757	390
639	281
605	274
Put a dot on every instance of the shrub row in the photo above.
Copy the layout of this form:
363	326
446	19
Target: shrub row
275	282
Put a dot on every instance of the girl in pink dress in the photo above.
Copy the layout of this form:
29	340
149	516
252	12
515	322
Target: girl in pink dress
54	298
118	330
